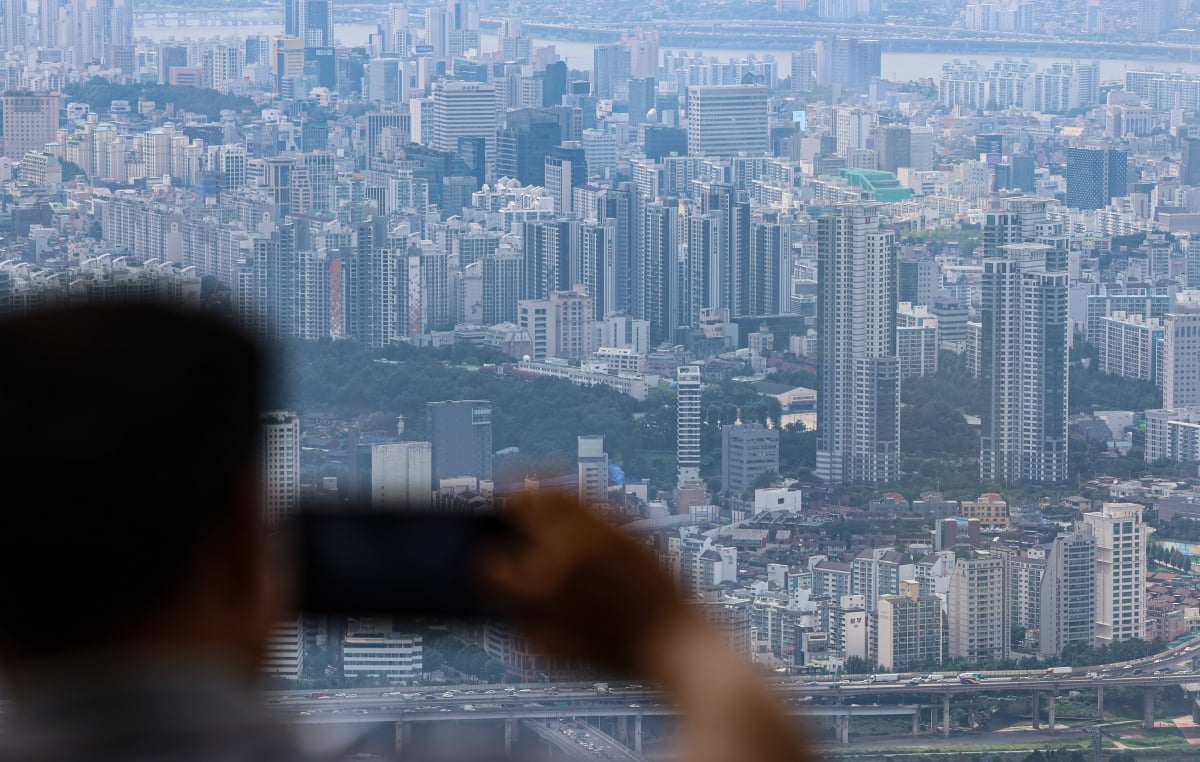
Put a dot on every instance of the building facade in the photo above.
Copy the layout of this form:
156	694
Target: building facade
858	436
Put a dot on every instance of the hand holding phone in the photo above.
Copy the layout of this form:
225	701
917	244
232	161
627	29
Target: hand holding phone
357	560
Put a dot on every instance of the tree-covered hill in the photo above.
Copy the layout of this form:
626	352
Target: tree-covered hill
540	416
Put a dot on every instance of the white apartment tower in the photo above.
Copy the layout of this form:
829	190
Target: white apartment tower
1024	345
280	465
724	120
592	466
1181	351
687	435
978	621
1120	536
859	415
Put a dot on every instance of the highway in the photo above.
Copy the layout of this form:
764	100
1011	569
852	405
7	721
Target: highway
1166	668
843	699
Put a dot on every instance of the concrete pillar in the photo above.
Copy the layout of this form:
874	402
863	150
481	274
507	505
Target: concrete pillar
403	736
946	715
1100	702
844	729
1148	709
637	733
622	733
511	731
1050	710
916	723
1037	710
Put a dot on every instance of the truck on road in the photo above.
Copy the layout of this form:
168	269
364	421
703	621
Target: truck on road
934	678
602	688
1058	671
970	678
885	678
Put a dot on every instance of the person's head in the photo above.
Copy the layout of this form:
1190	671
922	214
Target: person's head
128	464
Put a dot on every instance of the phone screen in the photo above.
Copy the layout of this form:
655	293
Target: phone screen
397	563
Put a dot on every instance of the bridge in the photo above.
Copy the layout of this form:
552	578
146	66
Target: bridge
724	33
813	698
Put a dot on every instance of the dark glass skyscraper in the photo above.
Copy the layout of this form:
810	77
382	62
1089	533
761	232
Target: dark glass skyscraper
1095	176
522	147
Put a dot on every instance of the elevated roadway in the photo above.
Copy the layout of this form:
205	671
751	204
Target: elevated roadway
842	699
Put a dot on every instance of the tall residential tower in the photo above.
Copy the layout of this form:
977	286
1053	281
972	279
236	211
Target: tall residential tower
858	435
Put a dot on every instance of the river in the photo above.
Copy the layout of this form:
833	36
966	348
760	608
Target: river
578	55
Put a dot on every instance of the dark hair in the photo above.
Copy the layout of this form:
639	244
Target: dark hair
125	429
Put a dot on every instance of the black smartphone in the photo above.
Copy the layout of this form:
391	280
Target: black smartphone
396	561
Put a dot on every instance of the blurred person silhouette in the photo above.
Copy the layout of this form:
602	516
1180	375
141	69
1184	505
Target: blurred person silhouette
140	585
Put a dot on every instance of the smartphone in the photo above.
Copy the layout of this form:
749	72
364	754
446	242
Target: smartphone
399	562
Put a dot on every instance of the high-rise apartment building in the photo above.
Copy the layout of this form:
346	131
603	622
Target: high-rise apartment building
279	460
92	27
858	436
1023	576
592	469
656	278
566	169
748	450
502	284
978	616
460	432
30	121
1181	351
1095	176
1068	595
848	62
571	324
908	628
876	572
725	120
851	127
1023	351
1120	535
310	20
688	420
402	475
1156	17
893	147
611	69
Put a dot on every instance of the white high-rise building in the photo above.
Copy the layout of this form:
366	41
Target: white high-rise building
688	420
284	657
1023	363
280	465
1120	536
724	120
859	414
978	621
592	463
463	110
1181	351
852	126
402	475
376	651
